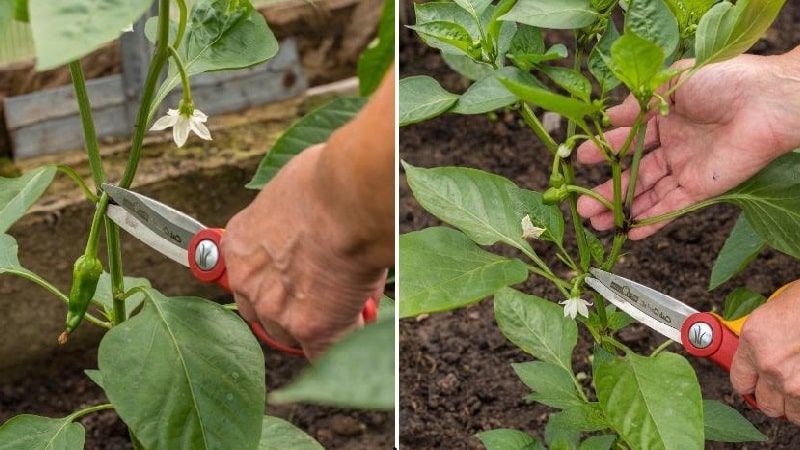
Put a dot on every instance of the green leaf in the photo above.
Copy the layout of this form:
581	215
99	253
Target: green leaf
653	21
96	376
596	247
771	203
9	264
635	61
741	302
598	442
185	373
105	297
475	8
727	30
570	108
725	424
28	432
386	309
314	128
599	55
220	35
6	14
496	27
451	34
446	12
570	80
278	434
560	434
527	48
489	94
580	417
374	62
654	402
21	11
536	326
740	249
443	269
506	439
357	372
466	66
486	207
560	14
551	384
422	98
17	195
66	30
689	13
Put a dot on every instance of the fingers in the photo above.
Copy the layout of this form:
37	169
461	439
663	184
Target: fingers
589	153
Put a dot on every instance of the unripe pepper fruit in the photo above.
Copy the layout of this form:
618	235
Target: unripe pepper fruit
85	275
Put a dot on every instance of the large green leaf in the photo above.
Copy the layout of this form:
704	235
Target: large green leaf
771	203
357	372
653	21
740	249
689	13
573	109
375	61
66	30
725	424
654	402
505	439
17	195
105	297
446	35
466	66
561	14
422	98
551	384
28	432
599	55
598	442
220	35
475	8
278	434
185	373
443	269
486	207
635	61
536	326
570	80
9	264
727	30
741	302
314	128
489	94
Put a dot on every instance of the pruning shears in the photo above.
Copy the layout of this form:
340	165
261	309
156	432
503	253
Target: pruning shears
702	334
186	241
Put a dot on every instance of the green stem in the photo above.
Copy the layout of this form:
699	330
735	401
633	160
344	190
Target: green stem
616	179
583	191
182	11
70	172
78	414
115	269
558	282
538	128
661	348
187	88
678	213
637	157
89	132
148	91
616	250
94	231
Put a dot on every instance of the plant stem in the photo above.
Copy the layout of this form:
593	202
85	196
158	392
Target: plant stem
115	269
70	172
181	23
583	191
661	348
558	282
538	128
89	132
637	157
616	179
680	212
616	250
187	88
78	414
94	231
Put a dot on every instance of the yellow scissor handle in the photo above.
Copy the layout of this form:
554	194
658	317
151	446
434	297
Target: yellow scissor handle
736	325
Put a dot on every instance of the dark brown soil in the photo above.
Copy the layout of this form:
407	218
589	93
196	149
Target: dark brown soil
456	379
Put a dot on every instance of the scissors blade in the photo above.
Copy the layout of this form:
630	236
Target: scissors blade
163	228
658	311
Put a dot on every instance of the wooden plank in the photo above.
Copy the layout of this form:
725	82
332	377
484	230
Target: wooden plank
47	122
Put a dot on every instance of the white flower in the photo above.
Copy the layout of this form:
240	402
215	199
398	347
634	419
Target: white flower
574	306
128	29
182	123
529	231
564	151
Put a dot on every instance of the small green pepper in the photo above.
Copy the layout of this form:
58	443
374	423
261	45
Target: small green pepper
555	195
85	275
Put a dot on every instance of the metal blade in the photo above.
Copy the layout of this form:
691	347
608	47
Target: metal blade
658	311
134	226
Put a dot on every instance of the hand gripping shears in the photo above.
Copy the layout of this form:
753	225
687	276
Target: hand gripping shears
186	241
702	334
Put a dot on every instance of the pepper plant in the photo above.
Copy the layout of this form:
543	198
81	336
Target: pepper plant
634	401
182	372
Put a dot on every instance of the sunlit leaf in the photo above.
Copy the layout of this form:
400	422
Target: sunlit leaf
505	439
741	302
278	434
28	432
740	249
17	195
561	14
725	424
422	98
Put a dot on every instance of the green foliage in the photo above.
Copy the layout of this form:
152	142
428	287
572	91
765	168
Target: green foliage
66	30
571	108
422	98
601	53
105	297
654	403
653	21
725	424
314	128
741	302
41	433
17	195
278	434
551	384
504	439
563	14
443	269
192	362
636	61
489	94
740	249
357	372
375	61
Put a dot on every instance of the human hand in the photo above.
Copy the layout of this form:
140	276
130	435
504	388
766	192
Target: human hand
767	362
726	122
293	266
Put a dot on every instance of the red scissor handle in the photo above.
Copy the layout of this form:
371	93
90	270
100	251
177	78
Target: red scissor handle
208	265
704	335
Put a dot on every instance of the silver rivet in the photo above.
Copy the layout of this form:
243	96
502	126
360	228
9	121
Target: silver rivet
701	334
206	254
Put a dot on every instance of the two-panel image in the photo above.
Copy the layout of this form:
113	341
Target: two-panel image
381	224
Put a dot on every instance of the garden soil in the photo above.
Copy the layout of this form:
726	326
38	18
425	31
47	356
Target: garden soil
455	368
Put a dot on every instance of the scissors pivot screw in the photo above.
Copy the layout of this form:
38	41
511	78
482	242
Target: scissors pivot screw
206	255
701	335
